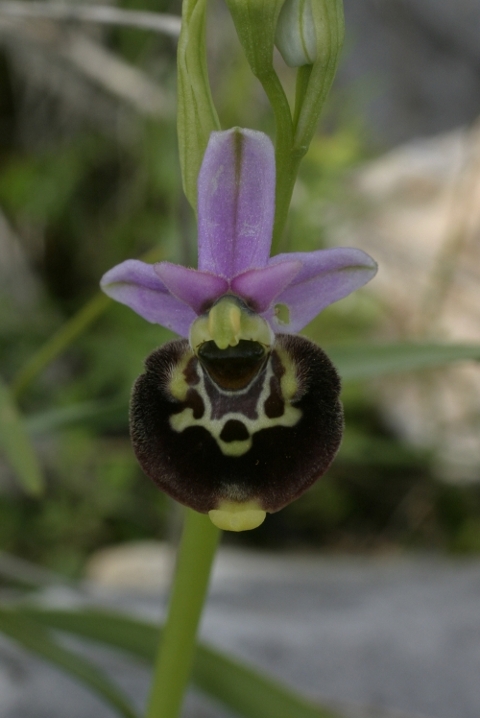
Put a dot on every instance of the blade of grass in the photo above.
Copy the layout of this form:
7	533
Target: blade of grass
241	688
32	636
99	414
60	341
16	447
28	574
71	330
367	361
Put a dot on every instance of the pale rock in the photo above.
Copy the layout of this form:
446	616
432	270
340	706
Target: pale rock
137	566
417	212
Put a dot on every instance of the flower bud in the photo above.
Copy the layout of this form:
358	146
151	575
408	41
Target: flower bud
296	35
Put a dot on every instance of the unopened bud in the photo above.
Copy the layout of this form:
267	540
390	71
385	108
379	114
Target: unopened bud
296	36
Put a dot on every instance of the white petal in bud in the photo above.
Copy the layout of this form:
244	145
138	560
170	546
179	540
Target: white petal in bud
296	36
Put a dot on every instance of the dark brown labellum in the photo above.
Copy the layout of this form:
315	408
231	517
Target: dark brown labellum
237	424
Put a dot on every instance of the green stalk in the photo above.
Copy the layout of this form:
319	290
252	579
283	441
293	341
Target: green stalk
316	84
301	86
177	646
285	158
68	332
60	341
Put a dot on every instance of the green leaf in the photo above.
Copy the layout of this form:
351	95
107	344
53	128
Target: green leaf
68	333
23	572
98	414
366	361
197	116
16	446
60	341
248	692
32	636
241	688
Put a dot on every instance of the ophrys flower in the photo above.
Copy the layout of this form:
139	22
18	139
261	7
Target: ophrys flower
243	416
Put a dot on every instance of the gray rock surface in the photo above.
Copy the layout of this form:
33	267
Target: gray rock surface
398	635
415	64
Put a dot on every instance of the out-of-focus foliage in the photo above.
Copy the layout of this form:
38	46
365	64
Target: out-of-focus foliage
79	195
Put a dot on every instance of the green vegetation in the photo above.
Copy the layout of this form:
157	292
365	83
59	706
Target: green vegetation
80	194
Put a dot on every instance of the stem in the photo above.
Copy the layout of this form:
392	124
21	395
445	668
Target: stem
316	86
303	77
284	158
177	648
68	332
57	344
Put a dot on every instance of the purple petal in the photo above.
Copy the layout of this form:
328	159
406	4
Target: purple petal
236	202
197	289
259	287
327	275
136	284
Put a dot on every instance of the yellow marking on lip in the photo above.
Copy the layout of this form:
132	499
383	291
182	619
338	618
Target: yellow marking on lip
291	416
289	381
236	516
234	448
178	385
181	421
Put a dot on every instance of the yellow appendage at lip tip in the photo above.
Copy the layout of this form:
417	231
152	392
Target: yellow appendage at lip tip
234	516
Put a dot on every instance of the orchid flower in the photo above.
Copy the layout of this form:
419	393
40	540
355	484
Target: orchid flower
241	416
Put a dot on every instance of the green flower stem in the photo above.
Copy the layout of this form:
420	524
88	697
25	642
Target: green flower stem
287	170
308	115
320	79
303	77
285	157
177	647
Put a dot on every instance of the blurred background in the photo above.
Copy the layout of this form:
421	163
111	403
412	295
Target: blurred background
89	176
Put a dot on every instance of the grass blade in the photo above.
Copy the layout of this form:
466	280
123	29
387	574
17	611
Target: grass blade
241	688
16	447
33	636
367	361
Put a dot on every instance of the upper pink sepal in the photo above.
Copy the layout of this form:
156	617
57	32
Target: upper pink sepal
236	202
236	207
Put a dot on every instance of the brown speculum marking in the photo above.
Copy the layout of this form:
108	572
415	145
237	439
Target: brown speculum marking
235	367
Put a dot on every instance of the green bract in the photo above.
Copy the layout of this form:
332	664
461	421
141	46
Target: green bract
256	23
197	116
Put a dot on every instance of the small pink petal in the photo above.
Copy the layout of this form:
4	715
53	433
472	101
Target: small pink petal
195	288
259	287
